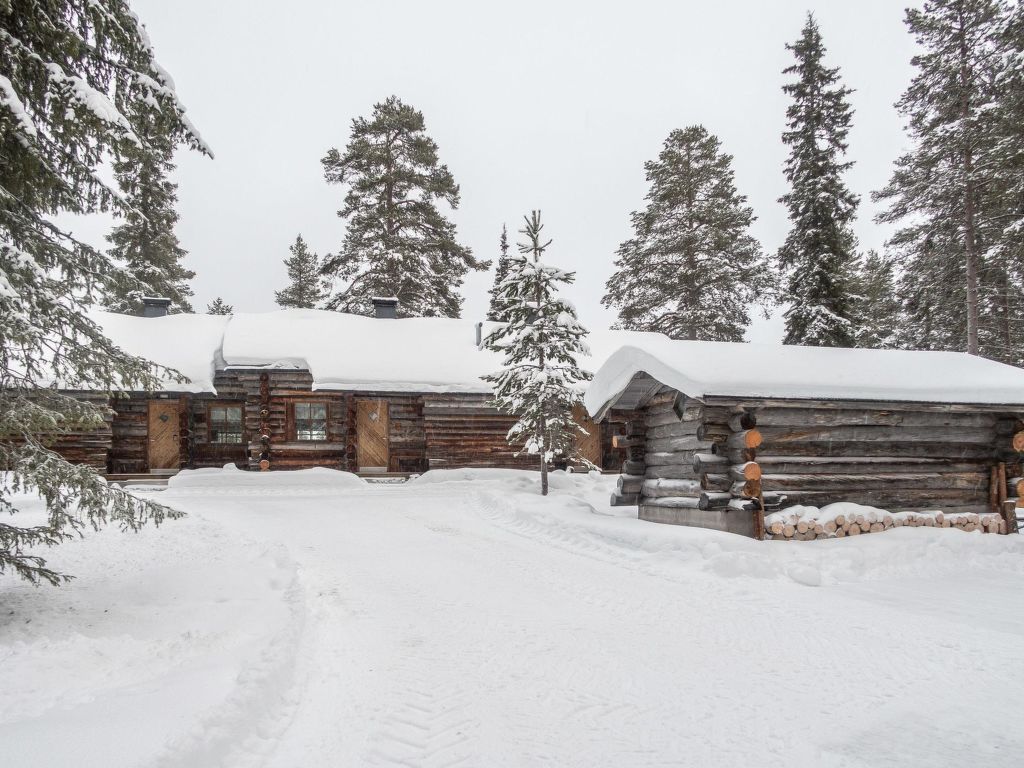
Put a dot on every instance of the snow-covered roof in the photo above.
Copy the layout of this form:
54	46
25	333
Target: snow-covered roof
705	368
341	351
190	344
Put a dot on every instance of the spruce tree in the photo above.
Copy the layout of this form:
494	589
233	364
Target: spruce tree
219	307
498	310
945	192
540	341
878	306
692	270
77	80
307	288
818	258
1002	278
145	244
397	242
931	287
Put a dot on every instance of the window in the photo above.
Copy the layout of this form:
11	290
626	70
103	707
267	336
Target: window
224	423
310	421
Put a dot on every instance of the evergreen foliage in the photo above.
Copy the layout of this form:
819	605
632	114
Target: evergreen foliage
1002	275
818	257
219	307
878	316
947	194
540	340
498	309
145	244
77	80
397	242
692	270
307	287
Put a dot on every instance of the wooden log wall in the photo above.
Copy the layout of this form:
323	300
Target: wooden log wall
283	389
200	451
464	430
891	456
87	446
616	426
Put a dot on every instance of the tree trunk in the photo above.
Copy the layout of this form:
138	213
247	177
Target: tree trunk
970	239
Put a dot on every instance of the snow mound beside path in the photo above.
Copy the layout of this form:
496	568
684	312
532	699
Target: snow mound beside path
230	477
576	516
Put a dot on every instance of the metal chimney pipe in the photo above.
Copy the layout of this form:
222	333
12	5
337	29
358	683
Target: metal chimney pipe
153	306
385	308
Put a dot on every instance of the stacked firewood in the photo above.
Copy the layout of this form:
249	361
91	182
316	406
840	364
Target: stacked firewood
800	527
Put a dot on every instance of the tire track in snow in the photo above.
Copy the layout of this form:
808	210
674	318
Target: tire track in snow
431	729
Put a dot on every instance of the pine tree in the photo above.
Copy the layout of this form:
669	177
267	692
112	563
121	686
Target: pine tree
397	241
692	270
818	257
145	244
878	306
219	307
945	191
498	310
76	81
307	288
540	342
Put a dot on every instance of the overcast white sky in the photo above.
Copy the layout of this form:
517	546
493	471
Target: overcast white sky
550	105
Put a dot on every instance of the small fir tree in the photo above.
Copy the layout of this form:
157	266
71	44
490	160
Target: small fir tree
498	310
540	342
878	307
219	307
692	270
77	80
397	242
818	257
307	288
145	244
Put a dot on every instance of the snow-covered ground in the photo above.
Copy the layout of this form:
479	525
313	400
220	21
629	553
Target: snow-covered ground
309	619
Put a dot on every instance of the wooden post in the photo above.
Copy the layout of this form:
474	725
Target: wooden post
759	518
993	488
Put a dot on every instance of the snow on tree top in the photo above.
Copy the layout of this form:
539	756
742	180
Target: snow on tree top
341	351
702	368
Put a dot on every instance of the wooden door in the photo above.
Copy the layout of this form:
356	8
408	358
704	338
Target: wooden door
164	438
589	445
372	435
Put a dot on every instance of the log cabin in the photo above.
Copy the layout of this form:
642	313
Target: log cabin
293	389
726	432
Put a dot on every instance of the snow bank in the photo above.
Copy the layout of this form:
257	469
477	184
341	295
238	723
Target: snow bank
190	344
700	368
234	479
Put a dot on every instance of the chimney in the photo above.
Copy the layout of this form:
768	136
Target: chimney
479	335
385	308
153	306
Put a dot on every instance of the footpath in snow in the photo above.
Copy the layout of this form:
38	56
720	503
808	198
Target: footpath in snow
312	619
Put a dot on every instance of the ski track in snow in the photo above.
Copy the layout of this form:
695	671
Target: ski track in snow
476	624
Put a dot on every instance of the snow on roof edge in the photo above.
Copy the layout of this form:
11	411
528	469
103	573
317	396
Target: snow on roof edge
852	374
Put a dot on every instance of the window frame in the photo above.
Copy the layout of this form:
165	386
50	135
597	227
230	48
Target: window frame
210	407
294	421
